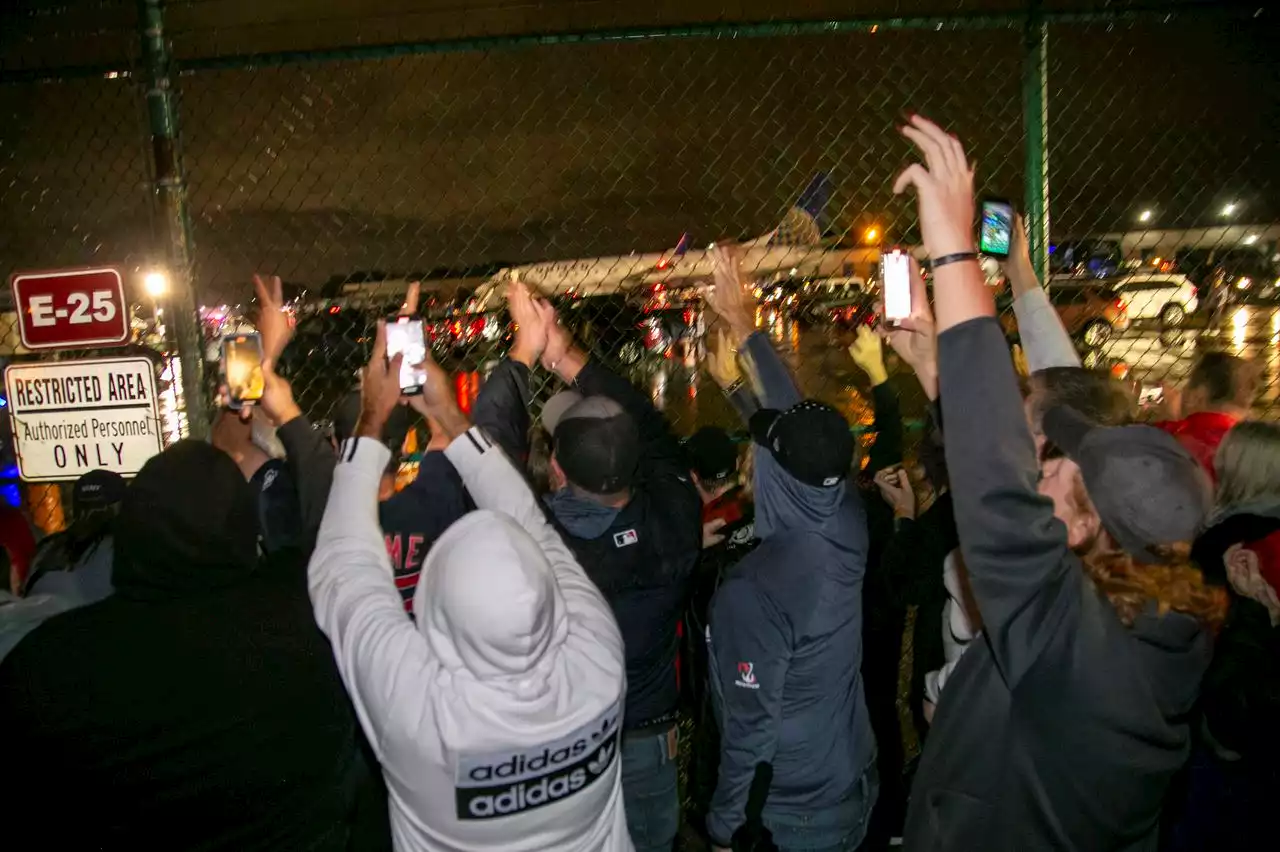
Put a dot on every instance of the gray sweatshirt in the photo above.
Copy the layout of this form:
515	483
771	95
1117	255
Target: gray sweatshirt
1060	728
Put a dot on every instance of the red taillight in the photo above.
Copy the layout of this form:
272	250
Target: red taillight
333	309
688	316
477	326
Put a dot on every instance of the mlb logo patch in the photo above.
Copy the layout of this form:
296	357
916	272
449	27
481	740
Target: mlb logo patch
625	538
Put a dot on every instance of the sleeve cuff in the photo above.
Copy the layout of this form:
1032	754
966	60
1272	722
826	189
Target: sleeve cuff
365	454
468	448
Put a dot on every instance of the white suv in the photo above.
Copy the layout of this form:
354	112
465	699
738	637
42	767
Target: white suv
1168	297
1157	295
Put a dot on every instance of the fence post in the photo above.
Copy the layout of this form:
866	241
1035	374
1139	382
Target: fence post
1035	121
171	208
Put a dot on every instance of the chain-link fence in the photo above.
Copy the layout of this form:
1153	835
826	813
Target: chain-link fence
602	164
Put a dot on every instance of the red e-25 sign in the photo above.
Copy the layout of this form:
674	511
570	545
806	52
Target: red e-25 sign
71	308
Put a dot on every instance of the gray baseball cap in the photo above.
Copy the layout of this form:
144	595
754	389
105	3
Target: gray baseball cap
595	441
1148	489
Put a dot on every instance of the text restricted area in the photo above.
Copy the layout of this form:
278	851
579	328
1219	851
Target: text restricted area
76	416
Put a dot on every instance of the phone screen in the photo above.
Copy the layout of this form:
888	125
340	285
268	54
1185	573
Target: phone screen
997	227
895	275
404	335
242	367
1151	395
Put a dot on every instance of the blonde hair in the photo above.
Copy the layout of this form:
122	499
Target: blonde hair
1248	464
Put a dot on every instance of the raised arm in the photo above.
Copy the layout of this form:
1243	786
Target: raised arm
730	297
380	654
502	409
1045	341
1014	548
867	351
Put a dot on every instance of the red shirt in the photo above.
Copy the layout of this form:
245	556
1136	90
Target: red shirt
1201	433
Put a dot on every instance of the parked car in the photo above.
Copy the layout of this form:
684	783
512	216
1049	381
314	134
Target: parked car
1164	296
1091	314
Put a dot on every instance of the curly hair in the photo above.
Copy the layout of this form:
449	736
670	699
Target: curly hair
1174	583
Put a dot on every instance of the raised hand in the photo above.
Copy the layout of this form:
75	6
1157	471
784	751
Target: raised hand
412	293
277	397
945	191
915	338
945	188
438	403
729	295
531	327
722	361
273	321
380	388
561	355
867	351
1017	266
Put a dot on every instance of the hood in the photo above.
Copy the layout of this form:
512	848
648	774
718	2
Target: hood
188	523
488	603
784	504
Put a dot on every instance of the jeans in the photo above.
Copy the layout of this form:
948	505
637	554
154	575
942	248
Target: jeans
650	789
838	829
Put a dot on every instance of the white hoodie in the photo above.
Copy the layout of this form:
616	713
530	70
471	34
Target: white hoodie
496	718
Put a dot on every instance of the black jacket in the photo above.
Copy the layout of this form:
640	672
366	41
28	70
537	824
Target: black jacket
1060	728
644	577
199	706
291	494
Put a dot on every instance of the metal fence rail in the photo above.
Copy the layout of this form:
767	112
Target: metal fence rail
1136	140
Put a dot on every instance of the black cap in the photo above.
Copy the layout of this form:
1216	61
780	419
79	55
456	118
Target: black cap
1148	489
810	440
712	454
595	441
347	412
97	489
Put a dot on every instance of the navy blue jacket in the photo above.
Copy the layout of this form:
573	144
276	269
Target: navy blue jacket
643	561
786	643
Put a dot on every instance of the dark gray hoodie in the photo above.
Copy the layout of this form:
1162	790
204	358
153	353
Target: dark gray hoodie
785	644
1061	728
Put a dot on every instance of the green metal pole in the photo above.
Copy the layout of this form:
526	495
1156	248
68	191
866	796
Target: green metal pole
1035	119
170	199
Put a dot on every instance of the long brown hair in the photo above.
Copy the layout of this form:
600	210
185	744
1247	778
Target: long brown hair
1174	583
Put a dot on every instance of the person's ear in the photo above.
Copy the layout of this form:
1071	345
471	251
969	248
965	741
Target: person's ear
1083	530
1243	569
555	475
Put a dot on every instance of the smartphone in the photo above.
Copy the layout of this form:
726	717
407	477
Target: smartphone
405	335
1151	395
997	227
895	284
242	368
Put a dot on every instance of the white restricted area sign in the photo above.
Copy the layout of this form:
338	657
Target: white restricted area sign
76	416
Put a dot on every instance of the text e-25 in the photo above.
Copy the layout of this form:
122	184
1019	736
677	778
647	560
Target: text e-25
78	311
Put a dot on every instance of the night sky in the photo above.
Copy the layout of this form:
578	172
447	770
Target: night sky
468	158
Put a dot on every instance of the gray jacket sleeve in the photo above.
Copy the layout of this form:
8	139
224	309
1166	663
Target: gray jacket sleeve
750	654
778	388
1026	583
1045	341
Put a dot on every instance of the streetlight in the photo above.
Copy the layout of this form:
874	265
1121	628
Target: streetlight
156	283
872	235
1145	216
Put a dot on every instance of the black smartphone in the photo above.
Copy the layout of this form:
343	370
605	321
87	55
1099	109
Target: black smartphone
997	227
242	368
405	336
895	285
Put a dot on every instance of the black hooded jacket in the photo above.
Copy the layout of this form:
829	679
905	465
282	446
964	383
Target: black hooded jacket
198	707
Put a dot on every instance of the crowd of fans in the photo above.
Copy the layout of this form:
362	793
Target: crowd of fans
261	643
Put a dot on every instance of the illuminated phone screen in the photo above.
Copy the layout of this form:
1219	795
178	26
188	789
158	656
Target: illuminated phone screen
997	228
895	268
405	335
242	367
